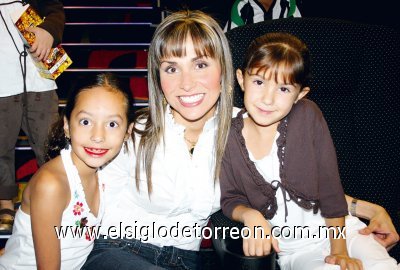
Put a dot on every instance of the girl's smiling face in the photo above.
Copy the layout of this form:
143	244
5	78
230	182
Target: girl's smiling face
267	100
191	84
97	127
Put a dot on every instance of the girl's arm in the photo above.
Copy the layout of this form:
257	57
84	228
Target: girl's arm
339	255
235	204
260	241
232	190
380	223
49	197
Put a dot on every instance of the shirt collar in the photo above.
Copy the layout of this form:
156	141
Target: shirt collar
170	121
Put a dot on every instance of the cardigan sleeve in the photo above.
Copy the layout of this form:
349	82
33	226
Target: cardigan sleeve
331	195
53	12
232	191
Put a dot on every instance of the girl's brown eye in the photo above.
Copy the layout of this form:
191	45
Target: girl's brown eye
113	124
84	122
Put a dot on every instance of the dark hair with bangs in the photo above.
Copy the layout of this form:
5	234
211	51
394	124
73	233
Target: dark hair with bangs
57	140
282	55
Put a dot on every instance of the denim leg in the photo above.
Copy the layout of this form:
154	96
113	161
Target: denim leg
168	257
119	259
116	254
132	254
179	259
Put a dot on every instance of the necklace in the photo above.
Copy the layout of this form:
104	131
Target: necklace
192	144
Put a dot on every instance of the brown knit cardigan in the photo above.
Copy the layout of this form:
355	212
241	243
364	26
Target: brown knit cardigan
308	167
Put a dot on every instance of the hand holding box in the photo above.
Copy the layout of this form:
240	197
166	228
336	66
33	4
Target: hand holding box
57	61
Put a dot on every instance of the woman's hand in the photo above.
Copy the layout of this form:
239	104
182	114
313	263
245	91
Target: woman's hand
382	228
380	223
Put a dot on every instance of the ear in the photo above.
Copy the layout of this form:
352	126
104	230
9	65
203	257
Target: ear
128	132
302	93
240	79
66	127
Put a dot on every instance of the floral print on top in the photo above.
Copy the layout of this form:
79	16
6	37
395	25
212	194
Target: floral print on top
82	211
78	209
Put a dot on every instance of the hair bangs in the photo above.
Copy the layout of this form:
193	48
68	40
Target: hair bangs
277	62
204	41
174	42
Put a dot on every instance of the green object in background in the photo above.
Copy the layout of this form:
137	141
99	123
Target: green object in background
292	8
235	16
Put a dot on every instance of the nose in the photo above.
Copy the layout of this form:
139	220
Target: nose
97	134
187	80
269	96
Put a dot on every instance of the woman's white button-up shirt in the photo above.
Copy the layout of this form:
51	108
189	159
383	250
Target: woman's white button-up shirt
183	197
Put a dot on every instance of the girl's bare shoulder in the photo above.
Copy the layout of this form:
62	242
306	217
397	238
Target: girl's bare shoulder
52	172
49	181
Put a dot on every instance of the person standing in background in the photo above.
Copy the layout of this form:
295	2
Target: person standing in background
252	11
27	100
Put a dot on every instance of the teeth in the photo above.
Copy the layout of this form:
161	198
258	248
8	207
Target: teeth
97	151
191	99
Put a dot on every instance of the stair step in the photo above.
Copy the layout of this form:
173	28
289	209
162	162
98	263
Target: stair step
108	24
137	3
136	82
110	14
108	32
107	57
108	45
23	143
98	70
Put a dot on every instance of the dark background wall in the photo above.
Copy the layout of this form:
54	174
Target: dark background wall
372	12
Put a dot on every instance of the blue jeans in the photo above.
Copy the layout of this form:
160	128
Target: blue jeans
133	254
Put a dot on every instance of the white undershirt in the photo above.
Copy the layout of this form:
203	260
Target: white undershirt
268	167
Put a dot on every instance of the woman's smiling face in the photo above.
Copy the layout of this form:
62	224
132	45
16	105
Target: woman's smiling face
191	84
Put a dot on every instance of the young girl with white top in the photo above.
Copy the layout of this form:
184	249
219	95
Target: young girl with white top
65	193
279	169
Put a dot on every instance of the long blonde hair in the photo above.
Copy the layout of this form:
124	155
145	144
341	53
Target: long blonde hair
169	40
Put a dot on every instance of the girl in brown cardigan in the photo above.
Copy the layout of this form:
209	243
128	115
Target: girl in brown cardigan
279	170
